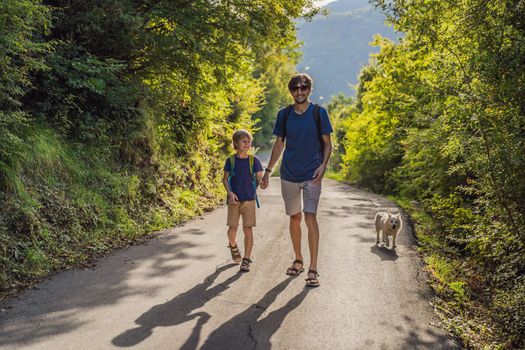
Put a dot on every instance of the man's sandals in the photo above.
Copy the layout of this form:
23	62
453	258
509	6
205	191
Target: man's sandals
236	254
294	271
245	265
312	280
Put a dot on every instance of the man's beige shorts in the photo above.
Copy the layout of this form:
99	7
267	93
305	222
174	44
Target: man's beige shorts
245	209
291	192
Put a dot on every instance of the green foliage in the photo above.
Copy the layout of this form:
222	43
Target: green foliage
21	53
280	67
439	120
336	46
21	22
115	117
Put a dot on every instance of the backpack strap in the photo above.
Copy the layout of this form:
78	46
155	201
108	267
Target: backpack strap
231	174
232	165
317	118
251	164
254	179
287	112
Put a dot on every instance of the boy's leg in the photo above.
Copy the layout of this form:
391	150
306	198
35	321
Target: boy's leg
232	234
248	222
248	241
233	222
232	244
234	214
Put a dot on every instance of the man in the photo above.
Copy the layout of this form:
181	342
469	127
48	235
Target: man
306	152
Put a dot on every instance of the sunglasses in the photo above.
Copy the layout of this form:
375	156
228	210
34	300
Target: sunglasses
303	88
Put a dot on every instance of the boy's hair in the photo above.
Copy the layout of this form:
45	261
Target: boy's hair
239	135
301	78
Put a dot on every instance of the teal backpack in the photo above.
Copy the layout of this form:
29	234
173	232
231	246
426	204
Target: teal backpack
252	174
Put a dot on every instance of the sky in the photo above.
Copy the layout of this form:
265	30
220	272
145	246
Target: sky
323	2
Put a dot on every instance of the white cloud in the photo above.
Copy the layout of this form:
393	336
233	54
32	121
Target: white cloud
323	2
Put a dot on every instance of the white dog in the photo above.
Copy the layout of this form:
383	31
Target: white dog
389	225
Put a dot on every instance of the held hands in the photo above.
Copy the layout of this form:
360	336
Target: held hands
265	180
232	197
318	174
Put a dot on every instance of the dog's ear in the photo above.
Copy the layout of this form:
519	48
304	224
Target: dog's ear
389	213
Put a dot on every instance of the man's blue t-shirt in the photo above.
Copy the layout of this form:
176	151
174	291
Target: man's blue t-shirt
302	154
241	183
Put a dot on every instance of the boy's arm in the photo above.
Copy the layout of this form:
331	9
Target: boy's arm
259	176
225	182
232	196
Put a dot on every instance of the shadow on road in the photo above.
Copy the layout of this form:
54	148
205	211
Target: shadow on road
177	311
422	337
240	331
386	254
59	300
271	323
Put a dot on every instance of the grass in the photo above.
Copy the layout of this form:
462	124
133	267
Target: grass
338	176
64	206
471	318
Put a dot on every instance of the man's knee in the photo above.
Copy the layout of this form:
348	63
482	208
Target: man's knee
310	218
296	217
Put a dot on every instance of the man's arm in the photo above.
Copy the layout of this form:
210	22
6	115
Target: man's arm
277	150
327	152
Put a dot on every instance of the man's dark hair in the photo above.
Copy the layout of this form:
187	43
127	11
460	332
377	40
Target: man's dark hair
301	78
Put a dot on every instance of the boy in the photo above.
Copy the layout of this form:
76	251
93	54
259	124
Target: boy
241	183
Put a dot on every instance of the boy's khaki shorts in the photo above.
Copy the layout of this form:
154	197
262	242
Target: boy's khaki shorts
245	209
291	191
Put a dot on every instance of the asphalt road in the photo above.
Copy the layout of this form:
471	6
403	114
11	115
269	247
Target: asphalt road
179	290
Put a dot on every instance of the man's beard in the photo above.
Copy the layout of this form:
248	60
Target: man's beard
300	101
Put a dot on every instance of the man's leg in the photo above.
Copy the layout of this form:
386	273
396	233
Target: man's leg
295	234
291	192
311	195
313	238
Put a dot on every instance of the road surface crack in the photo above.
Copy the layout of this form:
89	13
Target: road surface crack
251	326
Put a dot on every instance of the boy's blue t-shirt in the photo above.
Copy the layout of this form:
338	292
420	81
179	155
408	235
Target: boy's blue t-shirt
302	154
241	183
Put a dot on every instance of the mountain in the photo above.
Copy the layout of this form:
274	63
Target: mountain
336	47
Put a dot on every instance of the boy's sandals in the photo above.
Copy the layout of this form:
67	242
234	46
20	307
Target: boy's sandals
312	280
245	265
292	270
236	254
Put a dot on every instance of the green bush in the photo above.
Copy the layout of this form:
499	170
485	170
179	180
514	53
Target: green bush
438	120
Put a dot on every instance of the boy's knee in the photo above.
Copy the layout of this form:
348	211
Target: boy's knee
232	228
